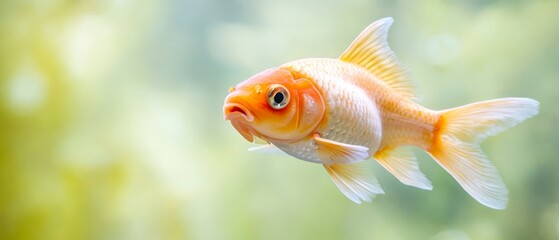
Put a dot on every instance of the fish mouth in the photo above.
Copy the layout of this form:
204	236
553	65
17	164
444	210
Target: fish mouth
236	113
233	111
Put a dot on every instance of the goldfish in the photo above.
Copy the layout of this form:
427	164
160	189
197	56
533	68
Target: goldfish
362	105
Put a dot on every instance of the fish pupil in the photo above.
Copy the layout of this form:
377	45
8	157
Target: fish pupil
278	98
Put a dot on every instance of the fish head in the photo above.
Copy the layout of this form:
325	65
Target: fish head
275	106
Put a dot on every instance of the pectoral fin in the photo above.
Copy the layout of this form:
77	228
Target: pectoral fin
267	149
401	162
331	152
354	182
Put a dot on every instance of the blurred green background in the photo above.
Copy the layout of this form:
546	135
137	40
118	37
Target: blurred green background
111	121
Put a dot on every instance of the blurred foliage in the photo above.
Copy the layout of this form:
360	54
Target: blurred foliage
111	123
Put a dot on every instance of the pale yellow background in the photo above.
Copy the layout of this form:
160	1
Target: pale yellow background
111	124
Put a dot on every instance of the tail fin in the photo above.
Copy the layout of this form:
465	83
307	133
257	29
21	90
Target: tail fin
456	144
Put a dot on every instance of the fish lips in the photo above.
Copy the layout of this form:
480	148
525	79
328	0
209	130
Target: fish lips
233	111
239	116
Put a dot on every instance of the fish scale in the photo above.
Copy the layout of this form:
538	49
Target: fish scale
403	121
351	116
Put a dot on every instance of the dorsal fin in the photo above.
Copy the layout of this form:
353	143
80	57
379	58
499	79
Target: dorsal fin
370	51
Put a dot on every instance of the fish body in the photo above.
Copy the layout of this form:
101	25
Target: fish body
351	116
362	109
337	112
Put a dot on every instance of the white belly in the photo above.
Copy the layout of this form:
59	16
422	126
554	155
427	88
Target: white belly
304	149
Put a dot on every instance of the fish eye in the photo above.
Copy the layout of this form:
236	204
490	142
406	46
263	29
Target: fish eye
278	96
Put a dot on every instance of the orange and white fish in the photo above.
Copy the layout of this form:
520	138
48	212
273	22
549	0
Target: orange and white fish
337	112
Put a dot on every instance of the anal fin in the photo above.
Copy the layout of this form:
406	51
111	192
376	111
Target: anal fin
401	163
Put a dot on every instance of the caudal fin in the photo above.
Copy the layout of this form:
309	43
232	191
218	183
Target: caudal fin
458	134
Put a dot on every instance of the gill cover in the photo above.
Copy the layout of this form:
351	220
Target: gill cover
299	117
290	116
